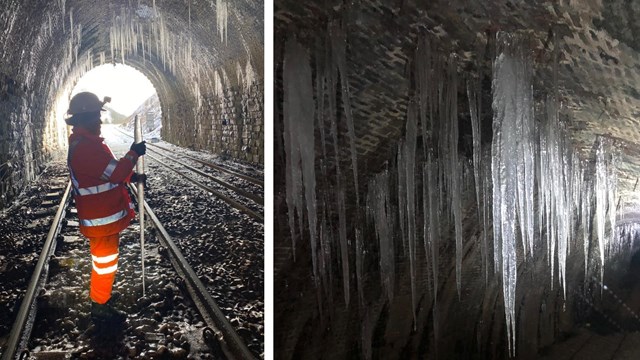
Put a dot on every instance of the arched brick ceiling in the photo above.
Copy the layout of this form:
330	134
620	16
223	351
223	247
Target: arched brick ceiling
598	62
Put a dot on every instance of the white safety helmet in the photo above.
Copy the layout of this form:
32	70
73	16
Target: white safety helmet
86	102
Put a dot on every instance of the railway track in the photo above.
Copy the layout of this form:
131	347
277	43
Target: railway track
178	316
245	177
241	191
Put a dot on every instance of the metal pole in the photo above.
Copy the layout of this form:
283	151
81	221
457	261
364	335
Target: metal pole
140	171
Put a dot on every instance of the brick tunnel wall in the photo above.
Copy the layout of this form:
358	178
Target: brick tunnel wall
231	125
29	133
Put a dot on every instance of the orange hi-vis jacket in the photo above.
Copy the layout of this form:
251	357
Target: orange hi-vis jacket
103	203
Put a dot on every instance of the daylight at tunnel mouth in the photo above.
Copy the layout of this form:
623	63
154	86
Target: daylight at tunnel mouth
189	277
472	191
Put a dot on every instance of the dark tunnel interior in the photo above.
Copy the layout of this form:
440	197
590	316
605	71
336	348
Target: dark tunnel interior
472	191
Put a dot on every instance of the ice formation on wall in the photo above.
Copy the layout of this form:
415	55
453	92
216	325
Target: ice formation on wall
299	119
528	184
505	147
379	209
222	18
339	51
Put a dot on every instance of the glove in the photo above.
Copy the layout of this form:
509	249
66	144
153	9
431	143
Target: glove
135	177
139	148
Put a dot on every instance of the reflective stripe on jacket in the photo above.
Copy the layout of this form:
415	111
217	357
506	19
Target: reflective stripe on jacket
103	203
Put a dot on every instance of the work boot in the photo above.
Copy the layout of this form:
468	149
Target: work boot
107	313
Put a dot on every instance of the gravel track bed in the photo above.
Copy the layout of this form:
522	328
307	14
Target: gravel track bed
258	208
226	177
162	324
224	246
225	162
23	230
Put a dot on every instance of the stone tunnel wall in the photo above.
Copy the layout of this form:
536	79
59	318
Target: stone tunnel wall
29	134
231	125
24	149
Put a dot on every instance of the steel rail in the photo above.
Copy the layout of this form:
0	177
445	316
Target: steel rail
222	196
231	343
244	193
21	331
217	167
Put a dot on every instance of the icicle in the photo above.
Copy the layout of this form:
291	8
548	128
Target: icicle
455	169
381	212
505	168
343	242
549	174
320	96
63	8
222	14
612	180
144	52
473	91
486	204
367	335
299	117
601	201
528	132
426	240
434	224
586	225
338	46
563	213
325	263
50	24
344	250
421	72
359	266
409	161
402	197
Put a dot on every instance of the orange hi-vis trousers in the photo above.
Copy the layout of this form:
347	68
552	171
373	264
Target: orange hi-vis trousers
104	256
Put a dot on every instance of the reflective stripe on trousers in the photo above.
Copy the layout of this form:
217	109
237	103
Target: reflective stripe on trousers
100	261
104	256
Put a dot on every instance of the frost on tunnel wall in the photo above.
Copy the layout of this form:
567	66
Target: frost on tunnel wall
524	198
30	134
224	111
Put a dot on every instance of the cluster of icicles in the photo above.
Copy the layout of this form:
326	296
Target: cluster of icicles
529	182
128	35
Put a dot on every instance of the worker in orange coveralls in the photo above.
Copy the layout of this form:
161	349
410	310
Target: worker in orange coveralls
103	203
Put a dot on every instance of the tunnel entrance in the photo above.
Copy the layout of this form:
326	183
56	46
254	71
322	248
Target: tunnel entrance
208	75
127	87
132	94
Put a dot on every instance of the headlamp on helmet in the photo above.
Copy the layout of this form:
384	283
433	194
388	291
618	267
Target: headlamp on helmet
85	102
